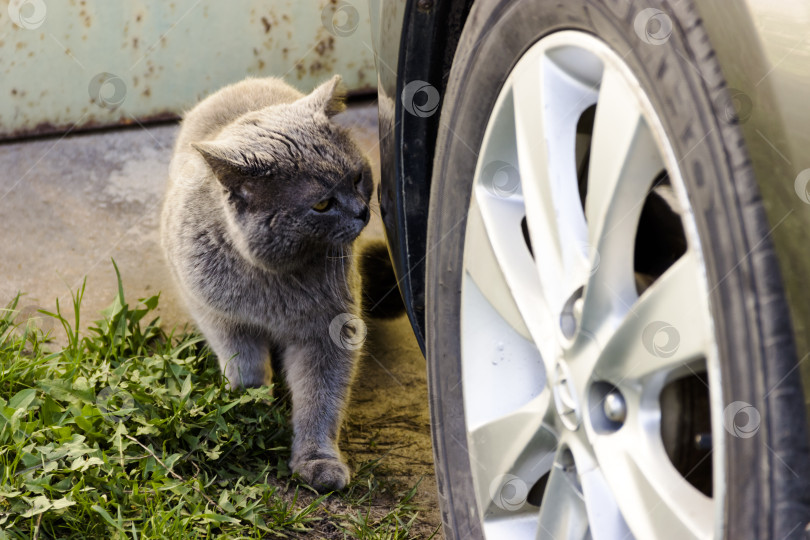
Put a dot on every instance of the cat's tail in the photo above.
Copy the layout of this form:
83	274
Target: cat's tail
380	292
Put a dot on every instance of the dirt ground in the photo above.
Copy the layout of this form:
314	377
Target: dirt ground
388	417
71	204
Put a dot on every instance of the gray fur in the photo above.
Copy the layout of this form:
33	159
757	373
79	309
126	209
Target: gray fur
259	269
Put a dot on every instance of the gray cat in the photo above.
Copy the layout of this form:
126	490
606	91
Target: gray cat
266	195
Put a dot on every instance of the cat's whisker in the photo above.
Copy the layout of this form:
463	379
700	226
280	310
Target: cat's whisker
339	257
372	209
343	266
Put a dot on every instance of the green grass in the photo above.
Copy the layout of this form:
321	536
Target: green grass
129	432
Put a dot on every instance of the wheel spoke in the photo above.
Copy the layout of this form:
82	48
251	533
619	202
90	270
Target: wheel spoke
547	102
563	514
624	158
496	277
496	254
656	501
519	444
665	334
604	516
624	162
497	358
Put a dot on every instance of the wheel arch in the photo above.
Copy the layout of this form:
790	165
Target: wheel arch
430	33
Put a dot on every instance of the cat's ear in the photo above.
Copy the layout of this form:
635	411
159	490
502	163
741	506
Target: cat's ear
225	161
328	98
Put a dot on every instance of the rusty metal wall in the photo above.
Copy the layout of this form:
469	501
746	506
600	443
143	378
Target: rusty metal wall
76	64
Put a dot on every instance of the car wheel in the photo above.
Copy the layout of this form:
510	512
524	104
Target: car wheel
609	351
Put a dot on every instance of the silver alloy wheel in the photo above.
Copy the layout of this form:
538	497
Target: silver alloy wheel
563	361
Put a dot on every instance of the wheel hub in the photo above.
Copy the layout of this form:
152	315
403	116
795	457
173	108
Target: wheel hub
565	396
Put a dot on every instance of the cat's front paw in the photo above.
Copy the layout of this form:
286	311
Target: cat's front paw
325	474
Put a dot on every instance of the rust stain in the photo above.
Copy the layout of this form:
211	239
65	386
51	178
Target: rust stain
267	25
315	67
48	128
86	18
325	45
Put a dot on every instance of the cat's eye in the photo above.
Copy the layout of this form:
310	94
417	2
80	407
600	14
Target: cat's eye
322	206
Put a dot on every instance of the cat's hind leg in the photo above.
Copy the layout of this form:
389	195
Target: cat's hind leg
243	353
319	375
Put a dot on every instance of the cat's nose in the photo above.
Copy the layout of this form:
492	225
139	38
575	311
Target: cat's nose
363	214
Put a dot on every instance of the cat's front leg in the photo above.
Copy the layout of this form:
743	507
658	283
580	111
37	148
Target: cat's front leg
243	354
319	374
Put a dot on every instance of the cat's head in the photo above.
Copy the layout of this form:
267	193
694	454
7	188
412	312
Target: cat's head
293	182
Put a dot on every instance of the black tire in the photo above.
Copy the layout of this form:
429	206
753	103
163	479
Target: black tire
767	484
